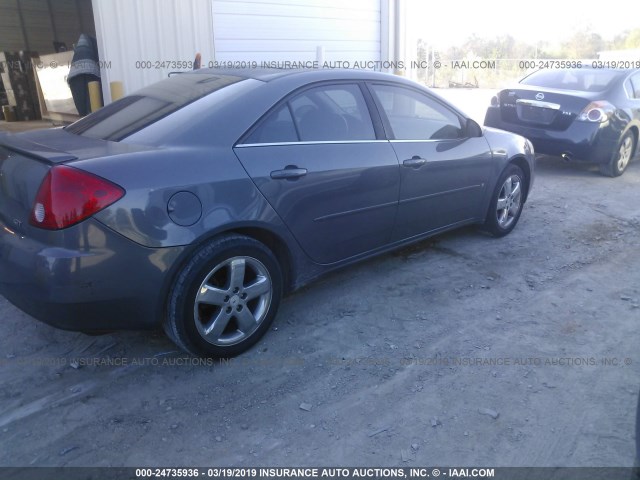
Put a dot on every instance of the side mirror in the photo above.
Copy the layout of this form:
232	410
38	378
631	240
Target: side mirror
473	129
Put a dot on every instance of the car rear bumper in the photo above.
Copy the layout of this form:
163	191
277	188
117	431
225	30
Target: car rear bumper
94	279
582	141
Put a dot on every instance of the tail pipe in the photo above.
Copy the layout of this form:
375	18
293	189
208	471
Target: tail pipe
566	156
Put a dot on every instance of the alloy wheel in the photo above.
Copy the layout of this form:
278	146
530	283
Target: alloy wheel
233	300
624	154
509	200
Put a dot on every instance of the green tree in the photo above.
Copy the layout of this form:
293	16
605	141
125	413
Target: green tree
583	44
633	39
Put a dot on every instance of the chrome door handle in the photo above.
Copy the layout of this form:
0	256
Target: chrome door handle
414	162
289	173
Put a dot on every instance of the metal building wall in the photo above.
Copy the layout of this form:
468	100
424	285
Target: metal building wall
136	36
138	40
281	30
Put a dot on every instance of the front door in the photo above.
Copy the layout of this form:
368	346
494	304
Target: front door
443	172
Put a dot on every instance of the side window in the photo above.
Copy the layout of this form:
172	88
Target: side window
332	113
635	85
414	116
277	127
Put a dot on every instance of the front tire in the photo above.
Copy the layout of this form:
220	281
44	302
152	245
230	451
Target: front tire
621	157
507	202
225	297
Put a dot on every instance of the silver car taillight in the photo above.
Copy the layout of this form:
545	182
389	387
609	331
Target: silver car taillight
597	112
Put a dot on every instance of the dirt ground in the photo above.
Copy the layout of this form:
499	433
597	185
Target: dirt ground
461	350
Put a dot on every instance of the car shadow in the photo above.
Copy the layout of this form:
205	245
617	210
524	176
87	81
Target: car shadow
552	165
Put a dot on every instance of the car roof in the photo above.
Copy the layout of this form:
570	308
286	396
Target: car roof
269	74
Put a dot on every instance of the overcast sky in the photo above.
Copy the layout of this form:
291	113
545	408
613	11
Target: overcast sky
449	22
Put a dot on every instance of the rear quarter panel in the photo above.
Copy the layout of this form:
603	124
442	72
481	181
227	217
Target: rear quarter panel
225	193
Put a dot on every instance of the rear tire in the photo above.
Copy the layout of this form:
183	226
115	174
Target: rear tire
621	157
225	297
506	203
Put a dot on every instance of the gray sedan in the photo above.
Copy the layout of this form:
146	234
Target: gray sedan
198	202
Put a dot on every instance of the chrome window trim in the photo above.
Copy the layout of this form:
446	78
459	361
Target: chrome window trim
428	140
318	142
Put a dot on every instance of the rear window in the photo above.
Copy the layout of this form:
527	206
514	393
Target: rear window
132	113
585	79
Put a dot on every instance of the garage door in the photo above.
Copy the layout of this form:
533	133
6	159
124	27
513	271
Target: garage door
291	30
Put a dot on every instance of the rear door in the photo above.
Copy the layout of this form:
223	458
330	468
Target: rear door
443	174
318	161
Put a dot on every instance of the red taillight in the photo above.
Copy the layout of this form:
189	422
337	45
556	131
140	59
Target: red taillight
68	196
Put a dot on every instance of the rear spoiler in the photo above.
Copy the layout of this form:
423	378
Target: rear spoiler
35	150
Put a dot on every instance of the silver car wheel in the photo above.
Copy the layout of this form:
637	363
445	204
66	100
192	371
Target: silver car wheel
509	200
624	154
232	301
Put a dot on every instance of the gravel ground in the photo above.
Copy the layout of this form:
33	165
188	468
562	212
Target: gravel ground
460	350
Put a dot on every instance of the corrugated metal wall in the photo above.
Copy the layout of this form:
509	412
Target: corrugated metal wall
140	39
282	30
44	22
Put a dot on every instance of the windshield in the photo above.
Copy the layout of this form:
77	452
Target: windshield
148	105
586	79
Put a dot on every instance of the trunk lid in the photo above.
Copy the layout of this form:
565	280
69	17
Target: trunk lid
546	108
